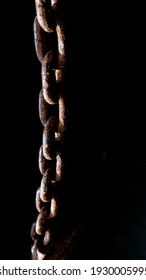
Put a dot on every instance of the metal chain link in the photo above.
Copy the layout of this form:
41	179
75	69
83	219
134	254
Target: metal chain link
50	45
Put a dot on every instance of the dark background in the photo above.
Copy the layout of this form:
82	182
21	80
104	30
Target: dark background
107	110
19	122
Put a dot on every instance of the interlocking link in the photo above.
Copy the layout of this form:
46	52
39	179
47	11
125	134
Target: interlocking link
45	188
45	14
38	202
44	109
49	138
48	78
49	39
43	163
39	40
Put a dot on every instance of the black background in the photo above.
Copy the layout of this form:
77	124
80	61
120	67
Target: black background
106	103
18	130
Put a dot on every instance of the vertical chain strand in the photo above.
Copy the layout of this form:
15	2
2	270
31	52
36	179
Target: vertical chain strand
53	116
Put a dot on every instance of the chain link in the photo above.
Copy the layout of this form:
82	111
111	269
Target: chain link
49	38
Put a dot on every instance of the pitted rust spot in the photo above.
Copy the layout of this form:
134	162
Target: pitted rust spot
39	40
44	109
43	163
59	167
49	139
45	187
48	78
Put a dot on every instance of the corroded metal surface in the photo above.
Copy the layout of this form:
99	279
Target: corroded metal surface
48	78
49	39
45	15
39	40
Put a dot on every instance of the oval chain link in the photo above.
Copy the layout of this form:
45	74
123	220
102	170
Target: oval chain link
49	39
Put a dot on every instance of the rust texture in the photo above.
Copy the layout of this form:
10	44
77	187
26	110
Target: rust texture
43	163
38	202
48	78
39	40
49	139
45	15
50	45
44	109
45	188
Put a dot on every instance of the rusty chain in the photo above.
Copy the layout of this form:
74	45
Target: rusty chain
50	45
51	51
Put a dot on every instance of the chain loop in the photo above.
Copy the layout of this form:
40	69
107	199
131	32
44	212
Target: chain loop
39	40
44	107
43	163
48	78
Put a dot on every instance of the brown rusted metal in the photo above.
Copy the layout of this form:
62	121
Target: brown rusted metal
47	237
34	250
38	202
39	40
54	206
39	247
44	112
49	138
51	52
45	187
41	220
33	232
61	45
63	115
43	163
45	15
48	78
59	167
